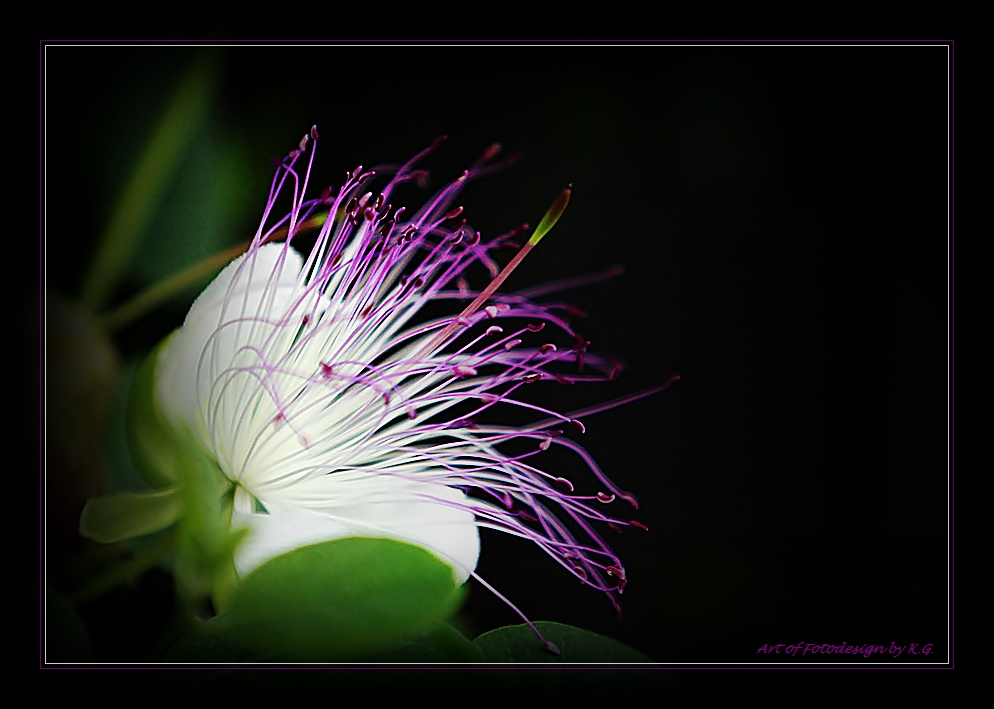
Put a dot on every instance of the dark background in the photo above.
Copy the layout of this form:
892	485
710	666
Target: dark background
781	215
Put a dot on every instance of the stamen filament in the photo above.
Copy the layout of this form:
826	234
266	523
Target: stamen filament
543	228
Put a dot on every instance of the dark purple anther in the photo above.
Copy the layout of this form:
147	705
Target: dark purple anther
491	152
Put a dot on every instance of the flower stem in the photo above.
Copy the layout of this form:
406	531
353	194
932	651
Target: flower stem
162	291
543	228
158	293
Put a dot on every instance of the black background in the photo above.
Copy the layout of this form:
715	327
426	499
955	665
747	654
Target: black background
781	215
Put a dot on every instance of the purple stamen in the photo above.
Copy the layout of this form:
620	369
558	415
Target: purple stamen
339	360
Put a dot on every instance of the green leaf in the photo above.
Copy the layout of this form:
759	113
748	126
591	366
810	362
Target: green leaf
205	541
344	600
443	645
518	644
129	514
150	437
169	455
568	671
156	169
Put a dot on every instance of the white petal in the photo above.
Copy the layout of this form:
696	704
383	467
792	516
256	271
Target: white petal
398	510
254	285
272	535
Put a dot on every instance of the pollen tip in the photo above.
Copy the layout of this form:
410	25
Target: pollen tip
492	151
552	647
576	424
630	499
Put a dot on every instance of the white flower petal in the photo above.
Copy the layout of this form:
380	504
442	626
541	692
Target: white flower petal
255	285
389	508
272	535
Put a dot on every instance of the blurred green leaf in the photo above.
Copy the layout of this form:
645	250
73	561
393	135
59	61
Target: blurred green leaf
129	514
167	455
150	437
518	644
344	600
205	541
169	288
66	639
154	172
82	369
213	205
